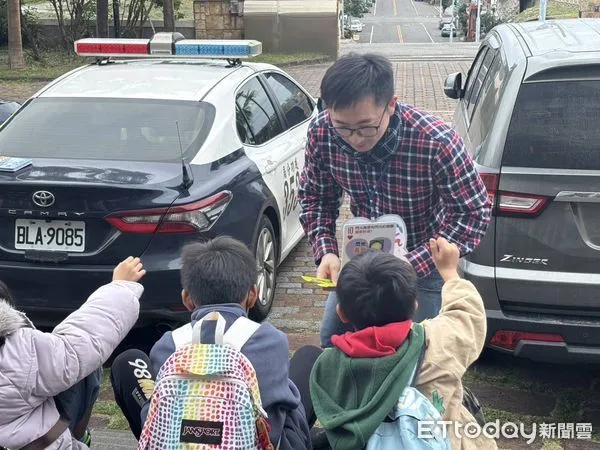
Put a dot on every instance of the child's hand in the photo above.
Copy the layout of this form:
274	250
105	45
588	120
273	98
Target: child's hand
129	270
445	256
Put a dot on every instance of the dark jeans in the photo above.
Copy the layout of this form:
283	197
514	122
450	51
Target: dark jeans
75	402
429	296
132	367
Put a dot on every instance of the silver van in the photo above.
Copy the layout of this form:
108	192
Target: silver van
529	112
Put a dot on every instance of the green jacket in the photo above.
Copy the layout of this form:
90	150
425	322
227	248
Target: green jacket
352	396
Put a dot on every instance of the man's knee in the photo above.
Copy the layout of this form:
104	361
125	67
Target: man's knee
331	323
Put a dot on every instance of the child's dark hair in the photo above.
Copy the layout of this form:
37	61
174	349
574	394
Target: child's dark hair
377	288
221	270
5	294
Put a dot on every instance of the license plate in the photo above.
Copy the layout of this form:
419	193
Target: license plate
51	236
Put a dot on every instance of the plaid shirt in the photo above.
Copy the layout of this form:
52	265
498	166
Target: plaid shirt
419	170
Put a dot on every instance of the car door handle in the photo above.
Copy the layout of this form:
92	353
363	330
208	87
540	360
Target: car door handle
578	196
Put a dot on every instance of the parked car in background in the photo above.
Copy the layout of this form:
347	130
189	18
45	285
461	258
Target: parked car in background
447	29
445	20
356	25
528	113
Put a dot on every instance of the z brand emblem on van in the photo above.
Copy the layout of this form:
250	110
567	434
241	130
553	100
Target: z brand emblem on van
524	260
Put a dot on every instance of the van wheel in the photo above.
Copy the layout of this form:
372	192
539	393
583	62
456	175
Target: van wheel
266	251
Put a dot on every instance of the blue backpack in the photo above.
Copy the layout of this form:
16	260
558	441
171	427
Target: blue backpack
400	429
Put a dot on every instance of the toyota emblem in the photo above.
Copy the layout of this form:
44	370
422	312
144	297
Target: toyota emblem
43	198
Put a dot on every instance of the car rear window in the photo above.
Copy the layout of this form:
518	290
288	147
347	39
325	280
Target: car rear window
555	126
108	129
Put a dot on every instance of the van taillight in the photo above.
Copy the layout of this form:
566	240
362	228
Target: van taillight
510	339
511	203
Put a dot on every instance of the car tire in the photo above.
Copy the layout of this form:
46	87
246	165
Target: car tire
266	252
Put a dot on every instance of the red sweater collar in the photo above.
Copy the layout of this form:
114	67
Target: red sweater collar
373	342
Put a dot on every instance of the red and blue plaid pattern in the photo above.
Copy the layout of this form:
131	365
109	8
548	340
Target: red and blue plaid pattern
419	170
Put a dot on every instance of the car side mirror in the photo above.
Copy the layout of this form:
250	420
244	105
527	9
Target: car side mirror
320	104
453	86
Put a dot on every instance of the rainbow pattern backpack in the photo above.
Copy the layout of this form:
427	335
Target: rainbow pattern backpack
206	396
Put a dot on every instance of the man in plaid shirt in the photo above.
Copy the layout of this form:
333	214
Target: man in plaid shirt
389	158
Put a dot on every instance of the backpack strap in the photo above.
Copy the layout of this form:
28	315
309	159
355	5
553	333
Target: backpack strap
237	335
417	369
240	332
182	335
219	329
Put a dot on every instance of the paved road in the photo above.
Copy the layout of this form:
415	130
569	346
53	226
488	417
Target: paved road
402	21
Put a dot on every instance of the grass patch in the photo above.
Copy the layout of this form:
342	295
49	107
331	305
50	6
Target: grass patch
278	59
553	11
508	379
57	63
52	65
568	406
110	410
492	415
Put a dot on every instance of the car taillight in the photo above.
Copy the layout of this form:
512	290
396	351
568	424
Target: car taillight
511	203
510	339
190	218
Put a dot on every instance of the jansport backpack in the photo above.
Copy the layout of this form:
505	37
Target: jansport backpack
206	396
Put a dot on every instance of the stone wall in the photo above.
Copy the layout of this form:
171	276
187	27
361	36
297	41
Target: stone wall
219	19
590	8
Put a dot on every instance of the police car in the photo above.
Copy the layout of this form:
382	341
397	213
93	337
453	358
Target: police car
140	156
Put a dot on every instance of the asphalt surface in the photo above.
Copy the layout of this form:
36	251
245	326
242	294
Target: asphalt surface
402	21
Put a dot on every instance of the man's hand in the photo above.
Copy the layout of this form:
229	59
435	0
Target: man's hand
129	270
445	257
329	267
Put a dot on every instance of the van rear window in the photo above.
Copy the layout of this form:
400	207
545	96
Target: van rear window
555	125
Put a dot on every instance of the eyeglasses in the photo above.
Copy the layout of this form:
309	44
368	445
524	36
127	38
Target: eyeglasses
370	131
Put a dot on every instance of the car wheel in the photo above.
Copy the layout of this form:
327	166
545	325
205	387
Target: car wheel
266	250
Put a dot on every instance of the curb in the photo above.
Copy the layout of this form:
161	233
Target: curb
308	62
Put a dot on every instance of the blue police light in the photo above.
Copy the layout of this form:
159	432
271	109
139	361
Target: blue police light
218	48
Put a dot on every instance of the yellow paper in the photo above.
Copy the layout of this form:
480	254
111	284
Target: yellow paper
321	282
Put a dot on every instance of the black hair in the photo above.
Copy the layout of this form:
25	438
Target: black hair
5	294
377	288
221	270
354	77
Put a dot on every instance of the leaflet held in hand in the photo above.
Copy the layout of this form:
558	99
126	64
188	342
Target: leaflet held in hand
386	233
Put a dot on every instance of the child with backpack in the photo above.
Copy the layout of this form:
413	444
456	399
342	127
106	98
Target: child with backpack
194	399
50	381
386	384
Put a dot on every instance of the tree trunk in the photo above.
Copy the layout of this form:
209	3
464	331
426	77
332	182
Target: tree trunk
15	43
102	18
168	15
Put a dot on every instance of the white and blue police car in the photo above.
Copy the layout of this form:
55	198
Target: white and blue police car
139	156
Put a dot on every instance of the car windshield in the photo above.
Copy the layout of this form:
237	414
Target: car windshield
109	129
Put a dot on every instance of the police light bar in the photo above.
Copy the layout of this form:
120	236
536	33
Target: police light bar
168	45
